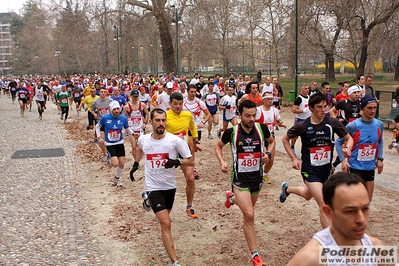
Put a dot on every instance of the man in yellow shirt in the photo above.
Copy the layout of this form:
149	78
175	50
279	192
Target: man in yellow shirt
88	100
179	122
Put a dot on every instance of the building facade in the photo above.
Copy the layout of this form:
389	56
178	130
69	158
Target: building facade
6	42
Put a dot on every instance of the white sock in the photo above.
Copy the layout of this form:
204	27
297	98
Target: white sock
119	172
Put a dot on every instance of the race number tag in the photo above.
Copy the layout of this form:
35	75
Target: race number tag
134	122
181	135
320	155
156	162
77	94
366	152
271	126
64	100
103	111
114	135
248	162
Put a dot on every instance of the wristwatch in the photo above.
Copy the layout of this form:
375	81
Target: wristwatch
197	142
380	159
268	153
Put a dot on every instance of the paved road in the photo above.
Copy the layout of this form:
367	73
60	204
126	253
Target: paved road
41	215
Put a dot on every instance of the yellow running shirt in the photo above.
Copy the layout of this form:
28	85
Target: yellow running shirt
179	124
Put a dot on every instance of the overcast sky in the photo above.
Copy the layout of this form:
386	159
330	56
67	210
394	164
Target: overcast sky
11	5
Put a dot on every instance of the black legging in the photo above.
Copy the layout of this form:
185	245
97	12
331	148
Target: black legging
65	110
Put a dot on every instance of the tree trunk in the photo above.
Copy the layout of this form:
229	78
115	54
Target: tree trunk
168	52
330	71
363	54
396	75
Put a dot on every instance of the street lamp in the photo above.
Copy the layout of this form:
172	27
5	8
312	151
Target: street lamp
57	54
176	23
36	57
116	38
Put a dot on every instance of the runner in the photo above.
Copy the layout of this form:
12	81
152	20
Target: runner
41	91
247	146
88	100
98	109
23	94
77	93
13	89
228	106
317	135
62	97
109	133
368	149
137	115
162	151
268	115
179	122
211	100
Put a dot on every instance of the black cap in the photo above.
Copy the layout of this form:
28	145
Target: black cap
134	93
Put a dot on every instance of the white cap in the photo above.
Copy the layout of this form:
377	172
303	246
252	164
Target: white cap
113	105
169	85
353	89
124	82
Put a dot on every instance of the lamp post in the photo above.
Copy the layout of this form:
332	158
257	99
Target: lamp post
270	58
176	23
36	57
57	54
116	38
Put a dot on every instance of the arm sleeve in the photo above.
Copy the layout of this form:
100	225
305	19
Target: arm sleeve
381	142
351	127
226	137
193	128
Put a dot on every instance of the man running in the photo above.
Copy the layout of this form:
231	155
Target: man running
62	97
109	132
88	100
41	92
317	135
228	107
268	115
247	141
162	152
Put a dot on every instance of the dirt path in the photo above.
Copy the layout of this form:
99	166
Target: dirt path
128	235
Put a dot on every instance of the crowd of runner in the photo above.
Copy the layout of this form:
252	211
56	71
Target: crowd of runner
164	117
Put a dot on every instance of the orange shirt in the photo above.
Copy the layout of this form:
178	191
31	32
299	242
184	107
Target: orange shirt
257	99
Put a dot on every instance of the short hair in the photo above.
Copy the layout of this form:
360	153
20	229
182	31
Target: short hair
317	98
358	77
304	85
176	95
340	178
324	84
191	86
158	111
246	104
102	88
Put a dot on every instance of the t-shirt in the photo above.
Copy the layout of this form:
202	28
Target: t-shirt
179	124
101	107
164	101
157	177
63	97
229	114
195	107
89	100
112	127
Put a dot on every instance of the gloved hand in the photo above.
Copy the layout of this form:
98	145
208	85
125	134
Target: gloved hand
172	162
228	106
134	169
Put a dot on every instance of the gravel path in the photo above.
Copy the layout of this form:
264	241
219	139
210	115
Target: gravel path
42	219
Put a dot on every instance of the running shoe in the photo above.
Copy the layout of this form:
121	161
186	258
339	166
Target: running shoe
229	196
61	116
284	194
332	170
87	127
257	261
40	117
118	182
191	213
105	158
219	134
266	179
210	136
95	140
109	160
176	263
390	146
195	173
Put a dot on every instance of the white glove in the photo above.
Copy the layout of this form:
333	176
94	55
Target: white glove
305	110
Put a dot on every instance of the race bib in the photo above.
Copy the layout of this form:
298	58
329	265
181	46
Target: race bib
77	94
271	126
134	122
156	162
102	111
320	155
114	135
22	96
181	135
366	152
248	162
64	100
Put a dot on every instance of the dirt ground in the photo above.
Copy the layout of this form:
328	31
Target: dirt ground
128	235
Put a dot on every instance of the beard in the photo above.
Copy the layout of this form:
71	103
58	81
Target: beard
160	130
